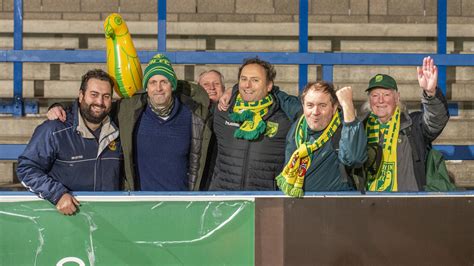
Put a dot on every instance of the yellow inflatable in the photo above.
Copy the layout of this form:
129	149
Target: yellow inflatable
122	60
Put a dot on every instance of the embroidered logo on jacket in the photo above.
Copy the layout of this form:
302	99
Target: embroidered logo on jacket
272	129
112	146
232	124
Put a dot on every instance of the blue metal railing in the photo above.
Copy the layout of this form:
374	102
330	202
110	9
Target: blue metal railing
442	40
295	58
303	42
161	26
17	102
303	58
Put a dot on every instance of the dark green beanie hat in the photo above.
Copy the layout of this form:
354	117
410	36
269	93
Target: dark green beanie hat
382	81
160	65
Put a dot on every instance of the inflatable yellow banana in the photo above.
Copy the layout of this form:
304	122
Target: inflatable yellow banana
122	60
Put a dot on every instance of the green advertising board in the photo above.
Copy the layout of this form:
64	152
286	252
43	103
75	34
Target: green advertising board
182	232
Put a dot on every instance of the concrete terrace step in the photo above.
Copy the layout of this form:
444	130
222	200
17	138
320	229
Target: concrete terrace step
256	44
15	129
458	129
60	89
463	172
63	80
243	29
21	139
7	175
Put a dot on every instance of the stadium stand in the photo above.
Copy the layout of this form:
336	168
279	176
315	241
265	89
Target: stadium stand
347	42
342	27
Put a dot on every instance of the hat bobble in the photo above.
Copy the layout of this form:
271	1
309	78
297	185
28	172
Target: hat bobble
160	65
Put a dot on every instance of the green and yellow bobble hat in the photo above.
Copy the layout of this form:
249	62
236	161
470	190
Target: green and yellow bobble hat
159	65
382	81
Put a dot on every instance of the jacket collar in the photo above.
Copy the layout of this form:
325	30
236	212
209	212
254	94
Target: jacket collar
405	121
109	132
172	114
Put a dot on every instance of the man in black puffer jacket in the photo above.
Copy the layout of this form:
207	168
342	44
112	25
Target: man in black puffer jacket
251	135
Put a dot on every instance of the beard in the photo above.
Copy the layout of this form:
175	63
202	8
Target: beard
90	116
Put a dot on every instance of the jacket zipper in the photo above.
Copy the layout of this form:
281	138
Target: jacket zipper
244	166
96	166
95	173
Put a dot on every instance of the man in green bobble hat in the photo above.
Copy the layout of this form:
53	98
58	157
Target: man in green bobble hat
164	132
160	65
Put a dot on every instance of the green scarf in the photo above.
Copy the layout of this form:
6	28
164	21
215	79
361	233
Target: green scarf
250	114
291	179
385	179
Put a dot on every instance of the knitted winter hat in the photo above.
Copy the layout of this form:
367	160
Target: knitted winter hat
160	65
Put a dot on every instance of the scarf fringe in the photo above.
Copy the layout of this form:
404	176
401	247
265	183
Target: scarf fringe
287	188
297	192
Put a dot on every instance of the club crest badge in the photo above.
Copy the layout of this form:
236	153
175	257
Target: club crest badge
113	146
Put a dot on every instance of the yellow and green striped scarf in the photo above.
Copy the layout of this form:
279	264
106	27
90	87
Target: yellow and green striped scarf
291	179
250	114
386	177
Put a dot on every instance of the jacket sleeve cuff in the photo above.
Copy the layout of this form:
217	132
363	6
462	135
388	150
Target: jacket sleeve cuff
56	195
352	123
435	98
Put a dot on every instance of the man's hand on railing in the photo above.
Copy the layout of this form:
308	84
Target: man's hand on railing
56	112
67	204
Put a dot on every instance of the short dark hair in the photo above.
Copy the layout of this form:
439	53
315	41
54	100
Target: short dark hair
269	69
96	74
322	86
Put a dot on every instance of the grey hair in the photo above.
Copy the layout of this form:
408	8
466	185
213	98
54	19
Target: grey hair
221	77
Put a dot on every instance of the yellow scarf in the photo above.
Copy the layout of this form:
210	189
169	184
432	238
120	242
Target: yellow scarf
385	179
291	179
250	114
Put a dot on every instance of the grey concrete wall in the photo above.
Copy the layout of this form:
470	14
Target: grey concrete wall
325	11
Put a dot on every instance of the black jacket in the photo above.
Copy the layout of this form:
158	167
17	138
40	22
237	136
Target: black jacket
249	165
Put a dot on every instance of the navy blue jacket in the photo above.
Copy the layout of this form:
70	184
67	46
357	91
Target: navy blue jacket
63	157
